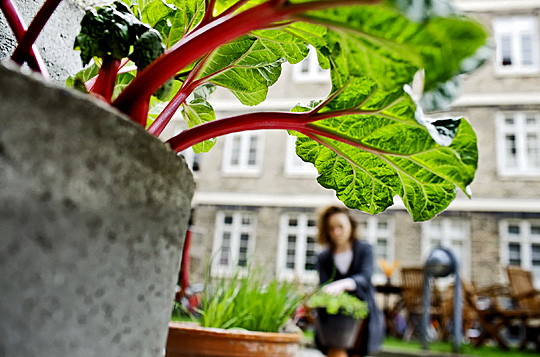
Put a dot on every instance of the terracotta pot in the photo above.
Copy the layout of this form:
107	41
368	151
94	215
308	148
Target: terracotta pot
191	340
93	213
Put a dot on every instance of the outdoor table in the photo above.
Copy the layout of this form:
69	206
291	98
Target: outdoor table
389	311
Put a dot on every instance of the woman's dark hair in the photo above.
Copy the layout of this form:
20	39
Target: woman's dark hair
322	236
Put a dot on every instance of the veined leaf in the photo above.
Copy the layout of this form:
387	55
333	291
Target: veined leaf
78	80
370	158
197	112
222	5
155	11
381	43
188	14
245	67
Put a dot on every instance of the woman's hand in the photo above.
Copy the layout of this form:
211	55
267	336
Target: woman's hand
339	286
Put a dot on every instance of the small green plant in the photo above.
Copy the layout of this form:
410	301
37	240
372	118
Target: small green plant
249	301
344	303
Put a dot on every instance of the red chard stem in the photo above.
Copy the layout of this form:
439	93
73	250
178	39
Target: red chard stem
106	79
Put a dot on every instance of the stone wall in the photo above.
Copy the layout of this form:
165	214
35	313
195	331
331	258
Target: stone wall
55	43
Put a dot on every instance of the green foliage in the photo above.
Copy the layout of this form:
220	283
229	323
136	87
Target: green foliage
343	303
108	31
249	301
369	140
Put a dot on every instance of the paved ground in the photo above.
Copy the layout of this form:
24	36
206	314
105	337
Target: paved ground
309	352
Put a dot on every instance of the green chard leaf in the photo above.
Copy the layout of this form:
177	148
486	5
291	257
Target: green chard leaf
370	158
381	43
108	31
78	80
245	67
197	112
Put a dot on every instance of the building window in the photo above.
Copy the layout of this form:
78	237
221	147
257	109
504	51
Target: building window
518	143
192	159
520	245
297	251
234	239
452	233
379	232
309	70
516	40
295	166
243	153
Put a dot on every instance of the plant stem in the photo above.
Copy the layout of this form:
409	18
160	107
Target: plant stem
266	120
34	29
106	79
207	38
251	121
35	62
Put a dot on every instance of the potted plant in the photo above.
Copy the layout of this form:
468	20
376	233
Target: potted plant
242	315
369	140
338	318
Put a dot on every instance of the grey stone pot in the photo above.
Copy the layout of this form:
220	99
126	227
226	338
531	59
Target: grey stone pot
93	212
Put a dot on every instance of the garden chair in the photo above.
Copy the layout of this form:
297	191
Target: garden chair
412	282
526	297
492	318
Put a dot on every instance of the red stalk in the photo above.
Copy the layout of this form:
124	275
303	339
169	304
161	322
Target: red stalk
106	79
265	120
192	47
205	39
251	121
157	127
19	29
34	29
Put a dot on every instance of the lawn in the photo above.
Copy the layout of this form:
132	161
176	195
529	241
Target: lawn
391	343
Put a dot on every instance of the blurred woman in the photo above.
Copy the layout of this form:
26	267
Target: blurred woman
347	265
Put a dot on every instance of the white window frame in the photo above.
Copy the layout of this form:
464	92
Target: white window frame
451	229
309	70
514	27
243	167
302	230
520	129
295	166
370	230
525	239
235	229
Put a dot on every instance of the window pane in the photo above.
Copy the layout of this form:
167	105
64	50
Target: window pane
235	151
526	49
252	157
514	253
311	258
533	157
535	230
506	50
246	220
513	229
535	254
293	222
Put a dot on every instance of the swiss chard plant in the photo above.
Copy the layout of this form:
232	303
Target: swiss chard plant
369	138
344	304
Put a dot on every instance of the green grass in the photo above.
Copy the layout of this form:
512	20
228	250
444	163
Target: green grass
466	349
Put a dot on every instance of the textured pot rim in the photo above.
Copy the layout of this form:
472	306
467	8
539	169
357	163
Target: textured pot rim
193	327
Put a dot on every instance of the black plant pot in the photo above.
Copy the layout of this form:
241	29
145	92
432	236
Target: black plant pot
336	331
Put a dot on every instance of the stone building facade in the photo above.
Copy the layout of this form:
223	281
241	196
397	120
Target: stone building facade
256	202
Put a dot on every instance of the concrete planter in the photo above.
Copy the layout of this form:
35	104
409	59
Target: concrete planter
191	340
93	211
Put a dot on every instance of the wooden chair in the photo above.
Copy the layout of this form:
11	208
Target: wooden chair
526	297
492	317
412	291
